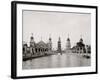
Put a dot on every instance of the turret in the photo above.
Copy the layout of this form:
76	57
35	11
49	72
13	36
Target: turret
59	45
50	43
68	44
32	43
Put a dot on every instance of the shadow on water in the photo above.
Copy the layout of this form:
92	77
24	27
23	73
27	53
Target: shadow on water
57	61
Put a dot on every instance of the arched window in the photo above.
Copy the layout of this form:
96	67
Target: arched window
39	49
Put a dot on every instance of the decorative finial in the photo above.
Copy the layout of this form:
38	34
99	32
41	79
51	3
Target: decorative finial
81	35
68	35
32	34
59	38
49	35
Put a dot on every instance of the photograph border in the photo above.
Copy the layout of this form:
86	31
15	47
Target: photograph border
14	38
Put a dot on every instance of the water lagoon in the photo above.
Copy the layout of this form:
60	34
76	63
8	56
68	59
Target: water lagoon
57	61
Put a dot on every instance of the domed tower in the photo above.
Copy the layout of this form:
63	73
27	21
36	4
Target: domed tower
59	46
50	43
81	46
32	43
68	44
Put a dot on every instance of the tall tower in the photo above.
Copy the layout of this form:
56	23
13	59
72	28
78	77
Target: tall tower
32	43
59	46
50	43
68	45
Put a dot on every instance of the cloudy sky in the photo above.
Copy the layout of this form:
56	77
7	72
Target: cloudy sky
44	24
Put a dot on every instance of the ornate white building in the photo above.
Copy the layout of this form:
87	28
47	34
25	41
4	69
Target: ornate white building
40	48
79	47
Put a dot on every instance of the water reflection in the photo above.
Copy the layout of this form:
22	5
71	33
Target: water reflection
57	61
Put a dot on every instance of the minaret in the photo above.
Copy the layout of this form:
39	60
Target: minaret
50	43
68	44
32	45
32	41
59	46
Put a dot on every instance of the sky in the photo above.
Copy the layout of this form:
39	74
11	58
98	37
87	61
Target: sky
45	24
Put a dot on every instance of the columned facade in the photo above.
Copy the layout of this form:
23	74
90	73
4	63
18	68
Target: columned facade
40	48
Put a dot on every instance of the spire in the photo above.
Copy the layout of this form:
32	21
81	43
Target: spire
50	37
81	40
68	35
81	36
59	38
32	36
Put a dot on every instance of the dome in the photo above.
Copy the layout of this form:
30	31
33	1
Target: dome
68	39
32	37
50	39
81	40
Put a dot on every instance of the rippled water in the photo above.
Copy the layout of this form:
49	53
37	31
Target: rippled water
57	61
